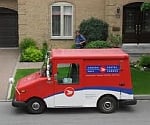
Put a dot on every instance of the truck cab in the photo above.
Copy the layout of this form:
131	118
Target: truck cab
72	78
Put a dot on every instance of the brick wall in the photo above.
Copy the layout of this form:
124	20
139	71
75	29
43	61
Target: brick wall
35	20
11	4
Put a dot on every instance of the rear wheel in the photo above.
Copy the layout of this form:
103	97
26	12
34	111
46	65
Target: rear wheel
107	104
35	106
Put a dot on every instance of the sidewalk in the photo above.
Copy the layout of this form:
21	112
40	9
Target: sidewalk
8	60
30	65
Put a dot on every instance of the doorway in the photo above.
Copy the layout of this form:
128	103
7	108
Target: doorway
136	24
8	28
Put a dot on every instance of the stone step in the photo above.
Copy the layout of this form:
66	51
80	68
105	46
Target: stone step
136	49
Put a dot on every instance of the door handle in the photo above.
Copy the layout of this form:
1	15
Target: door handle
139	29
136	29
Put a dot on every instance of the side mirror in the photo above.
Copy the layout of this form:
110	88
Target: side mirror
48	75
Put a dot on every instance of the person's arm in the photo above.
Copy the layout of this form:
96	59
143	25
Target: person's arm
83	38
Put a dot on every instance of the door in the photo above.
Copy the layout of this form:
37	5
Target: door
8	28
144	30
136	24
67	85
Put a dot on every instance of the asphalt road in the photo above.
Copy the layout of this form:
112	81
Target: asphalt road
130	115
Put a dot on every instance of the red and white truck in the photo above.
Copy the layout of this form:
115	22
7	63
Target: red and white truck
72	78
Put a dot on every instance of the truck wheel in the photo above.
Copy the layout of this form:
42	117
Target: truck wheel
107	104
35	106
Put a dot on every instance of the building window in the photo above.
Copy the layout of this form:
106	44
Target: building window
62	20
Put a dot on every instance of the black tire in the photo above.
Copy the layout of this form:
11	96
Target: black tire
35	106
107	104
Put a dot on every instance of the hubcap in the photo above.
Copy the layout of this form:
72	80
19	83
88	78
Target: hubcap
35	106
107	105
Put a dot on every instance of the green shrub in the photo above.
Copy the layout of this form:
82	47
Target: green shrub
145	6
73	46
32	54
98	44
115	40
94	29
145	61
26	43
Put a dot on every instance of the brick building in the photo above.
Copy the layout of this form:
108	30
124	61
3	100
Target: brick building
56	20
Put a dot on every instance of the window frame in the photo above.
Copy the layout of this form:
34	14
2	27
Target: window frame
62	5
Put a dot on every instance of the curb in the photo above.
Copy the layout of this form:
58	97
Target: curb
5	100
142	97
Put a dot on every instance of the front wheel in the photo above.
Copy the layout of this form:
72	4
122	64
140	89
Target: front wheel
107	104
35	106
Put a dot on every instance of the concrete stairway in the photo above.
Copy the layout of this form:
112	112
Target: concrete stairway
136	50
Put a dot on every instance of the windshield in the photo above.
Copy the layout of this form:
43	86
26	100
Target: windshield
46	67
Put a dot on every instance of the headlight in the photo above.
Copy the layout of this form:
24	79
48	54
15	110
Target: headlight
23	91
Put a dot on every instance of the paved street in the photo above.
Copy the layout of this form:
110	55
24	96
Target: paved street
131	115
8	60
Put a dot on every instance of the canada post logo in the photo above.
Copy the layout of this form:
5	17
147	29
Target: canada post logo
93	69
103	69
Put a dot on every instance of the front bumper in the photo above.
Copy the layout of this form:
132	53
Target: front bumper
128	102
18	103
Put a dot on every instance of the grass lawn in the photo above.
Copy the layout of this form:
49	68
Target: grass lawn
140	79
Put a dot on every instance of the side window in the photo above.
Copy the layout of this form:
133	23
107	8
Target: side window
68	73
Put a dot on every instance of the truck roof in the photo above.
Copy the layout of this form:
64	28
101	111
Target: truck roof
89	53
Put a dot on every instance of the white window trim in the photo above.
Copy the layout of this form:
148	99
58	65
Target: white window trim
62	4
